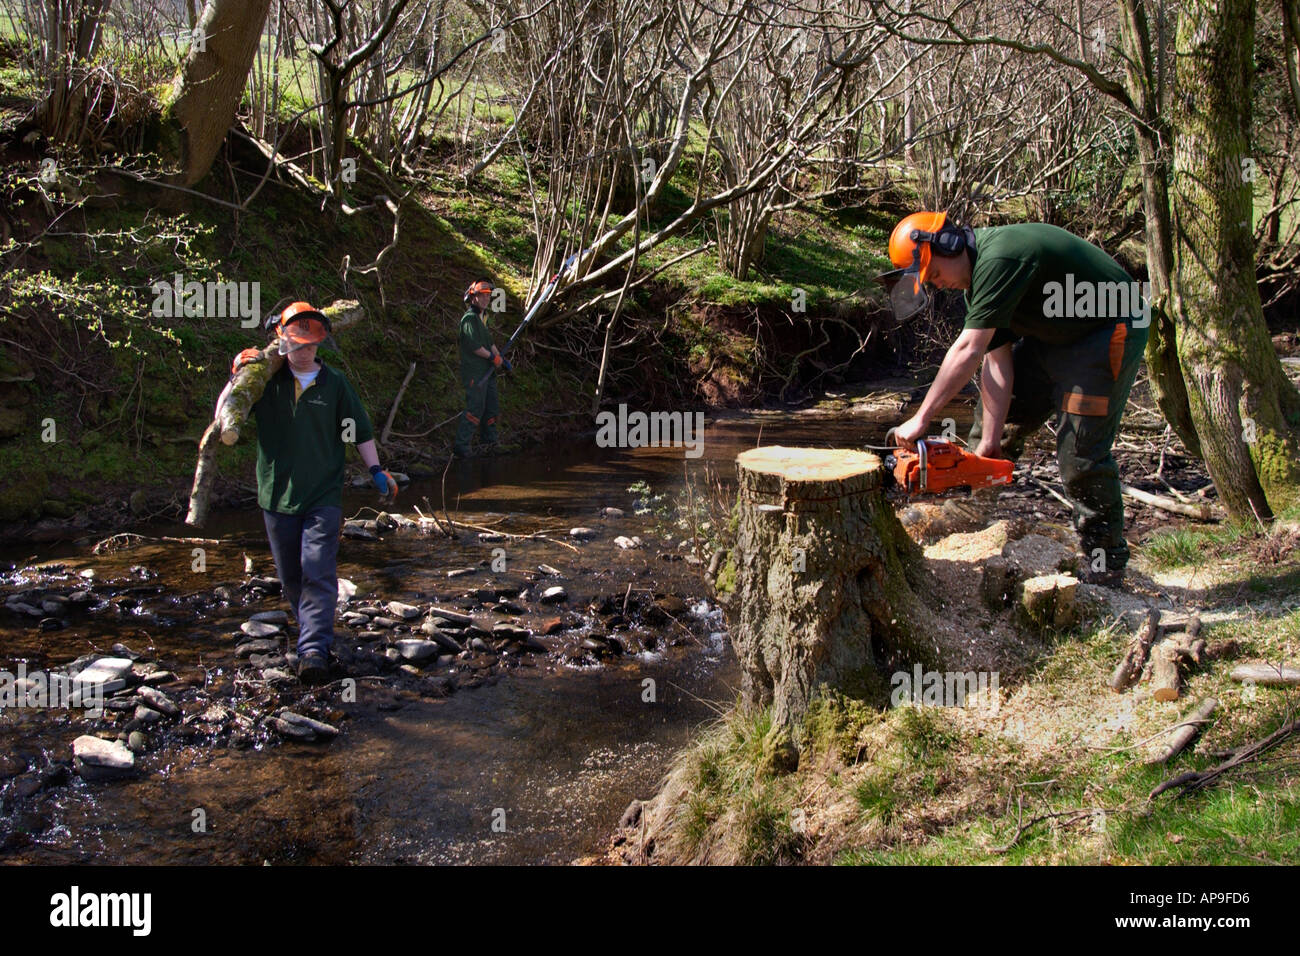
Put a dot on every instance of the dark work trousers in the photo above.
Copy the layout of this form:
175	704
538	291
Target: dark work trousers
1086	386
306	549
480	415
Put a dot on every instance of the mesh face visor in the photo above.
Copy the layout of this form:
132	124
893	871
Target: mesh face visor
300	332
907	296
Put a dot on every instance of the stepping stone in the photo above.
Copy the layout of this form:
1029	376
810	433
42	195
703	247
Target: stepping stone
108	674
510	631
271	617
445	641
582	533
261	645
96	759
159	701
554	595
404	611
256	628
147	715
299	727
414	649
455	617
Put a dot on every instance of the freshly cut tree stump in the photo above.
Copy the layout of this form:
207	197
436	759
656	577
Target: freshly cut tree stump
827	584
1049	600
238	400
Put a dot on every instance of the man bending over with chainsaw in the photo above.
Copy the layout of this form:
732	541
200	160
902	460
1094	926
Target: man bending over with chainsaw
1057	327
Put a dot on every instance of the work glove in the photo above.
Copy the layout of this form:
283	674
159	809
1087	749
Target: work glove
505	365
497	359
243	358
385	482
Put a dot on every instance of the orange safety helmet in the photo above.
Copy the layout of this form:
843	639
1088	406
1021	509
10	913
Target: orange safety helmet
917	236
479	285
300	324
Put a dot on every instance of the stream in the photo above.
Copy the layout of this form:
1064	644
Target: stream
510	757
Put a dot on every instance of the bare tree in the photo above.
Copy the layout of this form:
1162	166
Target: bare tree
210	84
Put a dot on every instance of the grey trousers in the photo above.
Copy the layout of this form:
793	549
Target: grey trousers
306	548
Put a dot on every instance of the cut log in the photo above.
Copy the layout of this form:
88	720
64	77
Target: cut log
1268	675
1049	600
1201	512
1166	682
1189	727
827	583
1130	666
238	399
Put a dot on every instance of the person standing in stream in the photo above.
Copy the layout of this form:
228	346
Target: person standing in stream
1058	328
306	417
479	363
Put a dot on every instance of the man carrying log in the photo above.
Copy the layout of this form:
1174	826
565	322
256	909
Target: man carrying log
1058	327
479	362
306	416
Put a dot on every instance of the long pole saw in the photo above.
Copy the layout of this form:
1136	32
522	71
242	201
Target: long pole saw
528	317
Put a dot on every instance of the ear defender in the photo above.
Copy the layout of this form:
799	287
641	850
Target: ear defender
947	242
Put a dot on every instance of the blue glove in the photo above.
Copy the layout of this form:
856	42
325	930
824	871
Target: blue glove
505	364
383	480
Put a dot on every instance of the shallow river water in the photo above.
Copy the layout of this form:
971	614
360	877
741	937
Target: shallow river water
534	763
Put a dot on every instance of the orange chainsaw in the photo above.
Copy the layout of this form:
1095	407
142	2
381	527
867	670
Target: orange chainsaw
938	466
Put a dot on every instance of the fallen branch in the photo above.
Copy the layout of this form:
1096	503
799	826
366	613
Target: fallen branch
1053	492
1197	780
1268	675
129	539
388	425
1187	729
1130	665
1201	512
535	536
433	519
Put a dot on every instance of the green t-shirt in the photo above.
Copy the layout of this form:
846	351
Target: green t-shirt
474	334
1038	281
300	443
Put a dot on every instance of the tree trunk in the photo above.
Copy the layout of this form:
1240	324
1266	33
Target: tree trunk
207	91
73	34
1143	81
825	584
1246	412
